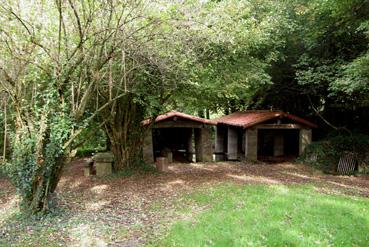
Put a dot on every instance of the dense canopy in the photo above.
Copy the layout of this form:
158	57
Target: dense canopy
72	68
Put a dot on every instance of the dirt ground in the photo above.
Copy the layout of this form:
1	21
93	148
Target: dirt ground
131	202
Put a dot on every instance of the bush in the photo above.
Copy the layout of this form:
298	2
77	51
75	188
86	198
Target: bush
87	152
2	173
326	154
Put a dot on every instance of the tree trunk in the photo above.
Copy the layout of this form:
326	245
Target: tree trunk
37	162
125	132
36	170
42	197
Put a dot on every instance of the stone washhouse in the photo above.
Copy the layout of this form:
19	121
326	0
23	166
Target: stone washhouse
179	137
256	135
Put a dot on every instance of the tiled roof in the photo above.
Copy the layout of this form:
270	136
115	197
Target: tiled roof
250	118
180	115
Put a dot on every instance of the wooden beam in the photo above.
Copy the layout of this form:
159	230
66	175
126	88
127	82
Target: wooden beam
177	124
280	126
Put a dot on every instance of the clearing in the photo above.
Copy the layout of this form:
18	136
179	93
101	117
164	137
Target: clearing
213	204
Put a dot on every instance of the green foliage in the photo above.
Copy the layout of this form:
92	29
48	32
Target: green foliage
355	78
232	64
334	61
326	154
67	69
36	158
323	64
23	167
92	143
142	169
264	215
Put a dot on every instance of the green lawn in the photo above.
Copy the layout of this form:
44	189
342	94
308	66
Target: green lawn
262	215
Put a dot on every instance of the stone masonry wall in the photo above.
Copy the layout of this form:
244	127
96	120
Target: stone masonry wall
148	149
251	144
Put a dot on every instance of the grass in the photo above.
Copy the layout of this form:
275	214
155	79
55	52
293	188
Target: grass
221	215
262	215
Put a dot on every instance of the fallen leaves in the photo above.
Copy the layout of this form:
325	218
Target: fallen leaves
131	211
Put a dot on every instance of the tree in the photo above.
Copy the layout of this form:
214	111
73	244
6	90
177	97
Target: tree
66	64
243	39
71	66
332	67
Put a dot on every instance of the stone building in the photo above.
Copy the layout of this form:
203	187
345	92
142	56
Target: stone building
179	136
257	134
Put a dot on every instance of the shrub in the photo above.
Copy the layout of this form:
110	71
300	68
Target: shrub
325	154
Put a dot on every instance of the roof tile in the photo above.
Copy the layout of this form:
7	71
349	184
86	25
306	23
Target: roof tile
173	113
250	118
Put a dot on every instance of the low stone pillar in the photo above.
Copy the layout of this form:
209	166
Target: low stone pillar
170	157
87	171
166	152
103	164
162	164
88	168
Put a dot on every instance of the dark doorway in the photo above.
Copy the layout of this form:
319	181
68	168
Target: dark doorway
265	142
176	140
278	144
291	142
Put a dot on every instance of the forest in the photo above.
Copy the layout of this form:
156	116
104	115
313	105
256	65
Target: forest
74	73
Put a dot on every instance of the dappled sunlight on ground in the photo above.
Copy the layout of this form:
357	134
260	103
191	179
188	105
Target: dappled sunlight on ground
127	211
85	235
343	185
172	185
95	206
8	209
253	179
100	189
302	176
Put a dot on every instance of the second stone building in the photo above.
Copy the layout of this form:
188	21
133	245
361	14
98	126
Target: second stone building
258	134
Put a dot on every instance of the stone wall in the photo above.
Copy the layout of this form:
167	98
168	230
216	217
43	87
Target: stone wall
220	149
207	144
232	145
305	139
190	147
148	149
199	144
251	144
203	144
